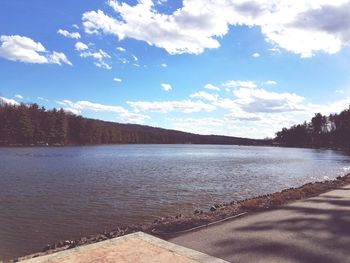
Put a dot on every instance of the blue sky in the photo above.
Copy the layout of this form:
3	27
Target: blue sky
240	68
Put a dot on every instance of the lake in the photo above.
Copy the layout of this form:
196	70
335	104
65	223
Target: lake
53	194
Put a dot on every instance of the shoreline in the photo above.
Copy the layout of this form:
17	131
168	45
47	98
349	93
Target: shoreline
167	227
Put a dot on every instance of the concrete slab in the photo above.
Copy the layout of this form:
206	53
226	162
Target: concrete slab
134	248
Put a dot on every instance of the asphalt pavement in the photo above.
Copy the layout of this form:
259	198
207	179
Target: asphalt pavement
313	230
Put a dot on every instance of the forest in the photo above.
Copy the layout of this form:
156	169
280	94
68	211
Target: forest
331	131
31	125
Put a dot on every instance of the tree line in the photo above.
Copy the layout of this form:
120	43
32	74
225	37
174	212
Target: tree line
331	131
30	125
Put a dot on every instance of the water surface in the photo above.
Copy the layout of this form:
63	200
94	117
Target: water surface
52	194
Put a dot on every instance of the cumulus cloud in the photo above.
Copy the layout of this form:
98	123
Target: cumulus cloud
340	91
205	95
185	106
211	87
8	101
80	46
331	18
270	82
256	55
244	117
124	115
177	33
164	65
121	49
301	27
329	108
43	99
99	56
117	79
166	86
103	65
246	111
24	49
87	105
261	100
207	125
240	83
65	33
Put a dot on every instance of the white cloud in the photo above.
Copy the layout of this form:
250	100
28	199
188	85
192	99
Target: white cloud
185	106
244	116
329	108
132	117
275	50
164	65
301	27
240	83
75	26
57	58
270	82
171	32
123	114
256	55
103	65
24	49
211	87
121	49
19	96
206	125
166	86
261	100
135	58
8	101
87	105
65	33
117	79
124	60
80	46
205	95
209	121
43	99
99	56
245	111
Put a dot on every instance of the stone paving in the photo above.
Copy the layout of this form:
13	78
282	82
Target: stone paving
133	248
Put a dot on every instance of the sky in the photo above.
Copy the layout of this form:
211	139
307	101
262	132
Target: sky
242	68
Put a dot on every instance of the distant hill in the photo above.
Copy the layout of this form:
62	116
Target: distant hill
31	125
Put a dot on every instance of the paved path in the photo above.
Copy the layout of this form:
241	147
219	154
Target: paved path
133	248
315	230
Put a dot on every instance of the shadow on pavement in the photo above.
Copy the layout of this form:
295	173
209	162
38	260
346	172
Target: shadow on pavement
320	233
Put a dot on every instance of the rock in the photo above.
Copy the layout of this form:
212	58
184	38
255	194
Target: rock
197	211
66	242
72	245
47	247
212	208
178	216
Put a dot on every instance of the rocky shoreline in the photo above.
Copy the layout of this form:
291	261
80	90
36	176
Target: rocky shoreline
172	226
